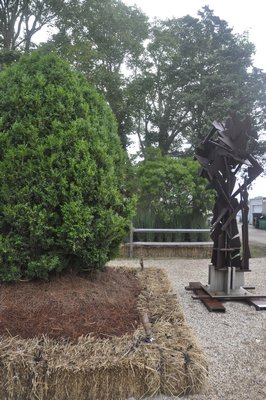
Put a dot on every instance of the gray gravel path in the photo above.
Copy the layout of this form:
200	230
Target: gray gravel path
235	342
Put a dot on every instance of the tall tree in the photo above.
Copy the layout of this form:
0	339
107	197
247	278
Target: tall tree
101	39
21	19
194	71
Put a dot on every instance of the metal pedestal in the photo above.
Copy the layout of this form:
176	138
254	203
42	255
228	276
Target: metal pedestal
224	285
226	282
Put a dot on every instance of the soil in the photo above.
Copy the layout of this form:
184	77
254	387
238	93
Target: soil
102	304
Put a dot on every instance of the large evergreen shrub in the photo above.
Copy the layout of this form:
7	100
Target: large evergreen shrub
171	195
62	202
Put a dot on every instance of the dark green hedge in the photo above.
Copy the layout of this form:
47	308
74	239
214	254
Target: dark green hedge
62	168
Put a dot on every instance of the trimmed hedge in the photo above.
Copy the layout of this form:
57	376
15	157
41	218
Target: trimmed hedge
62	172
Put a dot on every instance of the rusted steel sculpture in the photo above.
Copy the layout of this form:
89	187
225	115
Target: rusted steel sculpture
222	155
226	161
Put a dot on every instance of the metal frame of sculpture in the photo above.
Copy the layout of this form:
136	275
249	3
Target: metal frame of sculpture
226	161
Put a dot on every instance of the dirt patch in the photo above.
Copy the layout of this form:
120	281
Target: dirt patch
103	304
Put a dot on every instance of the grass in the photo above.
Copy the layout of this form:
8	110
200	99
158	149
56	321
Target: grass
257	251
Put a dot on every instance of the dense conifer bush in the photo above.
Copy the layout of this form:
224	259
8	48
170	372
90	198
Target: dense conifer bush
62	202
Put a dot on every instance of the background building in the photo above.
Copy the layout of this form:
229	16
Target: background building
257	209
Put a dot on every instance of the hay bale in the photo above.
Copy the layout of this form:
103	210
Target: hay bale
183	366
114	368
180	250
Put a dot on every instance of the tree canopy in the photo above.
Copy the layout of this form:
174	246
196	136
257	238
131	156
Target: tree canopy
102	39
21	19
166	81
194	70
171	192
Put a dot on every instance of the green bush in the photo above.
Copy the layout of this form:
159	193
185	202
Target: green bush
62	172
171	194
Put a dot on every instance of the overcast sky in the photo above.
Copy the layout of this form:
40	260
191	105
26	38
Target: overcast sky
239	14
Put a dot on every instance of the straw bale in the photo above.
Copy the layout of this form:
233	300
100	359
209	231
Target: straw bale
179	250
112	368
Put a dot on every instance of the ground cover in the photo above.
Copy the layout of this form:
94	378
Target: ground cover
117	363
257	250
102	303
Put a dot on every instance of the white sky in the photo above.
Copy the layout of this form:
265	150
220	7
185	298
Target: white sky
240	15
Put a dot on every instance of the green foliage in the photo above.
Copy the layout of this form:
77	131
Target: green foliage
171	193
98	38
193	72
21	19
7	57
62	168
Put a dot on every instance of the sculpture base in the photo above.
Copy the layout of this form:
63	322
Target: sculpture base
235	294
225	282
224	285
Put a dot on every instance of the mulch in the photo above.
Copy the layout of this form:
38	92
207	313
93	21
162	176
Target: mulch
103	303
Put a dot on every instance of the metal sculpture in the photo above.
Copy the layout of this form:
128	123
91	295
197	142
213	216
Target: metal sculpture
226	161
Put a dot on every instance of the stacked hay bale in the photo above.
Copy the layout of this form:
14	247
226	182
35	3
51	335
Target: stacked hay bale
114	368
180	361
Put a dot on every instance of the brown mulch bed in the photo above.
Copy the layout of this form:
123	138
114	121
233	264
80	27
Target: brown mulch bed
102	304
97	365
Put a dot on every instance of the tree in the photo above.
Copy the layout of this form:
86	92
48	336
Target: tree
62	171
101	39
21	19
194	71
171	192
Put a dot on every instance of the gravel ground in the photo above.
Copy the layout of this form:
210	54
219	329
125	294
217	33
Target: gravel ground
234	341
